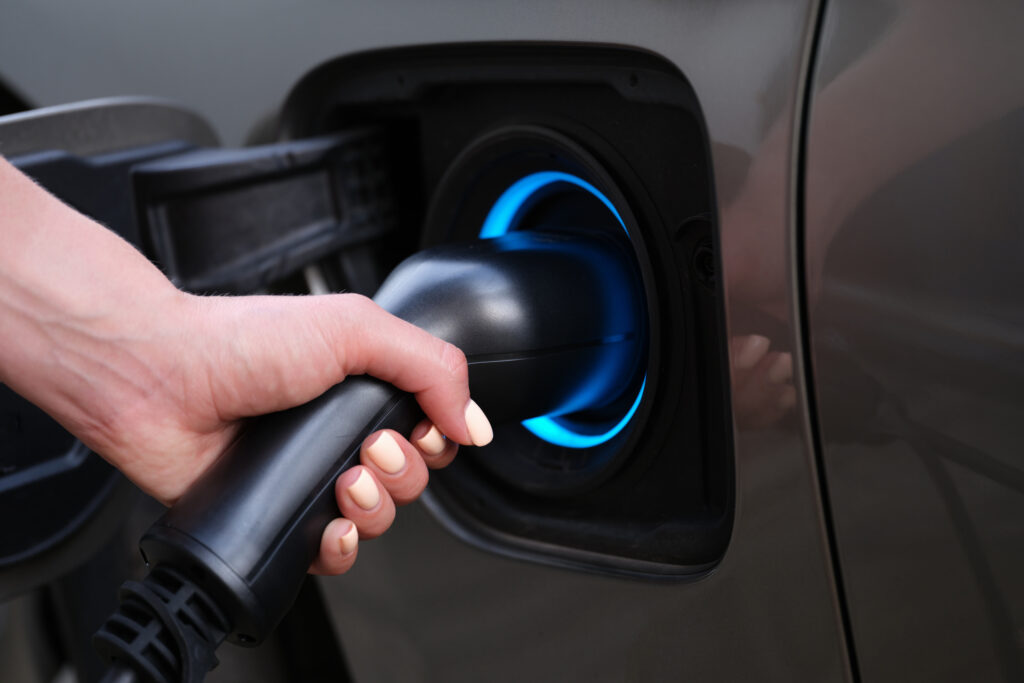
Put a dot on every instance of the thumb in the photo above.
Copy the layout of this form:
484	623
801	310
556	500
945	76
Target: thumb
289	350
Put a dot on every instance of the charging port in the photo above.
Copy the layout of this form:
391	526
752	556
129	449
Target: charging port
490	138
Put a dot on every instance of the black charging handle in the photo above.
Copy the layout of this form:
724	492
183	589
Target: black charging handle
551	323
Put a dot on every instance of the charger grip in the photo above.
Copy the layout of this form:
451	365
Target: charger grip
551	323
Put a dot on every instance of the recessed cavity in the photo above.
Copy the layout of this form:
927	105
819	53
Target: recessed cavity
506	215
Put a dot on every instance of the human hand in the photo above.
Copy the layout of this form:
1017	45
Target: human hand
158	381
261	354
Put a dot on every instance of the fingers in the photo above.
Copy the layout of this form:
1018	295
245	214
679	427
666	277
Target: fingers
399	466
339	546
433	447
396	464
415	361
393	472
364	500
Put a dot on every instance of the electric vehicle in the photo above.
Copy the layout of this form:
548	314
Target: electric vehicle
815	471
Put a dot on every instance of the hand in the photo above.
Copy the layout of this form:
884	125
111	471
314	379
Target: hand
217	360
157	381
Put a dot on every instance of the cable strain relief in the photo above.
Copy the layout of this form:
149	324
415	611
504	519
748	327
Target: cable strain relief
166	628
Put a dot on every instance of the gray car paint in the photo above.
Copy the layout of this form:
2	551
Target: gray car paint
914	247
420	605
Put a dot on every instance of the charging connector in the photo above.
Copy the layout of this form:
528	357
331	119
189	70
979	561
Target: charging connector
549	323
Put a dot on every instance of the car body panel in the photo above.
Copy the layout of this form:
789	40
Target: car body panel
914	234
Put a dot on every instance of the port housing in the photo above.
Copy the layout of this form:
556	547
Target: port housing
463	121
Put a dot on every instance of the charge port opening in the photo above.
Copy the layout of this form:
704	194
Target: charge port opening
555	201
656	500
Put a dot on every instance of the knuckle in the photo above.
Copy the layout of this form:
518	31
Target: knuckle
357	300
359	307
454	362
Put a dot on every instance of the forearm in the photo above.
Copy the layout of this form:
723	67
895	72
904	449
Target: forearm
75	301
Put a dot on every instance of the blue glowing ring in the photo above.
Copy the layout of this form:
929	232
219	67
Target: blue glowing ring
502	218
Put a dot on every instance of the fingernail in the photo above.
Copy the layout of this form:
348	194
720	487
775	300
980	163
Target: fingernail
480	431
386	454
432	443
781	369
349	540
364	492
751	350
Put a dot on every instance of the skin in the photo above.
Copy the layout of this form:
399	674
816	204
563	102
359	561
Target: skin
157	381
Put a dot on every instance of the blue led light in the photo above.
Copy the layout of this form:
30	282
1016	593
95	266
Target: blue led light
554	431
502	218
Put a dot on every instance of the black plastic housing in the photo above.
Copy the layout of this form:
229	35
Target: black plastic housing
235	220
